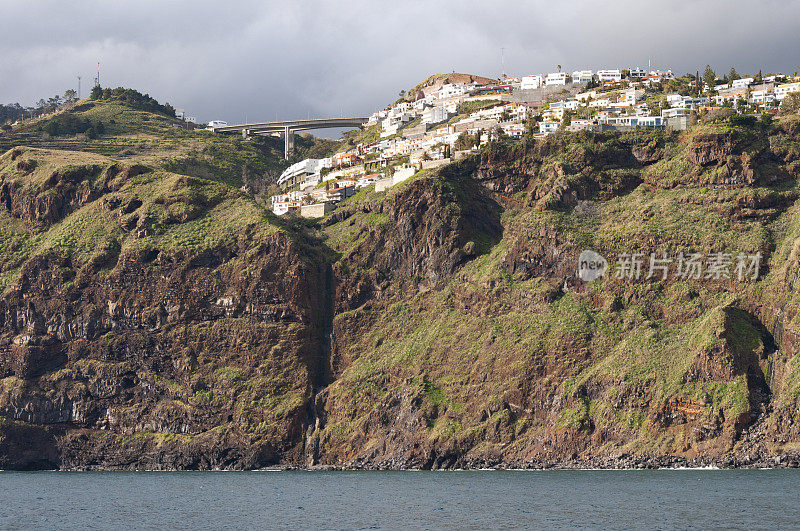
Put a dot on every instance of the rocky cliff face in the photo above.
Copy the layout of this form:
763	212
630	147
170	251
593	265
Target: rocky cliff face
510	359
150	320
163	344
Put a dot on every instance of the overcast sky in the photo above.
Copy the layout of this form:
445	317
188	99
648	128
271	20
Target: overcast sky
237	59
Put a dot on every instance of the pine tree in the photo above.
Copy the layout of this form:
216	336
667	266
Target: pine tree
709	77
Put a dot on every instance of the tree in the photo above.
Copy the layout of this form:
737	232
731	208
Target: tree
733	75
70	95
709	77
566	120
97	92
759	78
464	141
791	103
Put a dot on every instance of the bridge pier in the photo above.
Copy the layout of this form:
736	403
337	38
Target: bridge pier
288	128
288	145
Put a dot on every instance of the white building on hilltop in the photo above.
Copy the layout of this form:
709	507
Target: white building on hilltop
637	73
301	171
609	76
450	90
434	115
531	82
556	78
781	91
582	76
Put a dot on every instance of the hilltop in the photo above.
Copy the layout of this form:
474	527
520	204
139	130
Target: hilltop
134	129
155	315
436	81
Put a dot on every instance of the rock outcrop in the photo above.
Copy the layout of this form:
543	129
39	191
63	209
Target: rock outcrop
149	320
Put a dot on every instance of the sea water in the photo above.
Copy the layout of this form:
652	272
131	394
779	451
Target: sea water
662	499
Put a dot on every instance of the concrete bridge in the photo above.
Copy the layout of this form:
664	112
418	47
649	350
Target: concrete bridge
288	127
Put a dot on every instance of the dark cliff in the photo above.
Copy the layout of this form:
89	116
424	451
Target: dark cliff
154	320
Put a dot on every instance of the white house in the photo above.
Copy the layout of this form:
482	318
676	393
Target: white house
760	97
396	120
740	83
450	90
603	102
582	76
389	130
581	125
609	76
368	179
564	104
634	121
687	102
283	203
556	78
300	172
662	74
638	73
434	115
548	127
675	112
781	91
531	82
674	99
514	130
629	98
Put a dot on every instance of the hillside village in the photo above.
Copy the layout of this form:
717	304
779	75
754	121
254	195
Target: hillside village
448	116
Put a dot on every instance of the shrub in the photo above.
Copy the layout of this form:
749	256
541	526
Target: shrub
69	124
791	103
743	120
718	115
133	98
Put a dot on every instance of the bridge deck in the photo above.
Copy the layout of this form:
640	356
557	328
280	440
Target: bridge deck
294	125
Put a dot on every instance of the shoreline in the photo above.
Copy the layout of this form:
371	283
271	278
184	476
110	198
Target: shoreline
628	463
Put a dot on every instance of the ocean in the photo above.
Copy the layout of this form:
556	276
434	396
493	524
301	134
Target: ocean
654	499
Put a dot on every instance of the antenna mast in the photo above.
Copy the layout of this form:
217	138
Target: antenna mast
97	79
503	61
79	87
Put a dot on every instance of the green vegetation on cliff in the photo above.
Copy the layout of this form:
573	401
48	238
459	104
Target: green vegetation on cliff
155	314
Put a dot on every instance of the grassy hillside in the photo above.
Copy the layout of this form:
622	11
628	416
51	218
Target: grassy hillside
513	359
138	136
154	314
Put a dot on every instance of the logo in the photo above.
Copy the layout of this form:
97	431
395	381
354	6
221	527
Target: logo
591	266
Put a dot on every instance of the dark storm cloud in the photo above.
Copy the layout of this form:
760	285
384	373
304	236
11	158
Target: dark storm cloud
259	60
